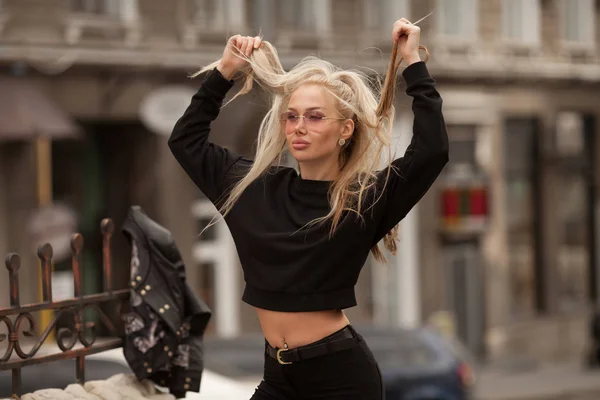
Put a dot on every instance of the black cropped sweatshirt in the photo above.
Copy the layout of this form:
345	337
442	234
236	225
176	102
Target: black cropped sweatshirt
287	268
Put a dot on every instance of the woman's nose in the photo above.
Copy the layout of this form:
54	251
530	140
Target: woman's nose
301	125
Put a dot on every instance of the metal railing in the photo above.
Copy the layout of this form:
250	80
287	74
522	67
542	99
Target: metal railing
19	316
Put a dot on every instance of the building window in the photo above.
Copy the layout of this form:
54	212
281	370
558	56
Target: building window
573	247
458	18
462	144
521	21
522	205
573	258
578	21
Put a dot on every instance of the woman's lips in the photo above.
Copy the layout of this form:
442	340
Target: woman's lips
300	144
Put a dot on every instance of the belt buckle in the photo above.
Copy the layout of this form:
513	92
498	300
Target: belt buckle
279	360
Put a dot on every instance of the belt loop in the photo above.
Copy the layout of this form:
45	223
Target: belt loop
355	334
352	330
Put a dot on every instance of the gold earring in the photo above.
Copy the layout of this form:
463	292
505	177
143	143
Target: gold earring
342	141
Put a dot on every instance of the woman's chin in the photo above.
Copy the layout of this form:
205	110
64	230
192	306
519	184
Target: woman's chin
301	155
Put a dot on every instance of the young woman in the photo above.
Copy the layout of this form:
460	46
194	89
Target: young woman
303	238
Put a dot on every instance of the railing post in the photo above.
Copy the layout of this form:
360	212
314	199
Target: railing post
13	263
45	253
106	227
76	247
16	383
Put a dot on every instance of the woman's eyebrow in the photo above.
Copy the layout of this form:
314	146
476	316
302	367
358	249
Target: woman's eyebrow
308	109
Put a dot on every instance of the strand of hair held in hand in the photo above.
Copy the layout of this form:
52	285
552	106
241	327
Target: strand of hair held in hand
387	94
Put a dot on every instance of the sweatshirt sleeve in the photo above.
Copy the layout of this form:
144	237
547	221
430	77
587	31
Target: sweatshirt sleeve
412	175
206	163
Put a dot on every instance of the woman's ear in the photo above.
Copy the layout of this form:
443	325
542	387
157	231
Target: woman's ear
347	129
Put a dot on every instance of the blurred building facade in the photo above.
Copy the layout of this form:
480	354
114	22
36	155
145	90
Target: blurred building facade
505	240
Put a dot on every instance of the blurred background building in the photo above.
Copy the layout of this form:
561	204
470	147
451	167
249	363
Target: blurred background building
505	241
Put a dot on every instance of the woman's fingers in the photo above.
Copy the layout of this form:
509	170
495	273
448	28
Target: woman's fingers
248	45
403	27
236	40
244	44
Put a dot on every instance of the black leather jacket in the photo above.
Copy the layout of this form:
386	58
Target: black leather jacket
165	326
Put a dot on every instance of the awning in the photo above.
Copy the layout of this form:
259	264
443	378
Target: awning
26	113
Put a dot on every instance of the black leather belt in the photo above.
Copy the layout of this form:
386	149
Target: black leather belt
342	340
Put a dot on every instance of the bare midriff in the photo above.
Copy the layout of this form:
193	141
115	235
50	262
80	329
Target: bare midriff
296	329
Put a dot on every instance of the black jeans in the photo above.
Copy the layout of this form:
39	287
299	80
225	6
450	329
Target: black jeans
347	374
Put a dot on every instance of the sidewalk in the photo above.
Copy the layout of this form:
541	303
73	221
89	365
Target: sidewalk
563	381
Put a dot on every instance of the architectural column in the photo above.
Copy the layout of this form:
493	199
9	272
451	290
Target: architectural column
236	14
130	15
391	11
221	254
321	12
264	18
130	10
406	263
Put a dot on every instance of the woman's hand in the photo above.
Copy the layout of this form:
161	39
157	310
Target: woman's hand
406	36
230	63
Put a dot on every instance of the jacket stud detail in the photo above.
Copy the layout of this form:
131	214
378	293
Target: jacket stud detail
166	348
143	292
149	370
148	287
186	386
138	278
188	379
161	310
170	354
167	306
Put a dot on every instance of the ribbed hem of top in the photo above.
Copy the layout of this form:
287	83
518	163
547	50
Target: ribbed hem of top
299	302
415	72
217	83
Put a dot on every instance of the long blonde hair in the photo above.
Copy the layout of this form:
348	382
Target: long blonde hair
359	97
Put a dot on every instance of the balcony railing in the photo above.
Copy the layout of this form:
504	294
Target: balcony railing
93	21
194	33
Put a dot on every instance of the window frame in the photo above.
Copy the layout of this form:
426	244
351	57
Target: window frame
469	29
530	32
586	24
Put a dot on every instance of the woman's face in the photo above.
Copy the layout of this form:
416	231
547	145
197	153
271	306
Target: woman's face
313	126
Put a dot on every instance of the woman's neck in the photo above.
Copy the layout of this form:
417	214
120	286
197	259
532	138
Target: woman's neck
319	170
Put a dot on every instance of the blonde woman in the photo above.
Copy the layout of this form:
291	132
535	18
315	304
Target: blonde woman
303	237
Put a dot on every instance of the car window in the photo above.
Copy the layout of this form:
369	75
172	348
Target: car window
403	350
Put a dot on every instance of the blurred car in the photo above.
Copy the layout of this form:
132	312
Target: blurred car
416	364
420	364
